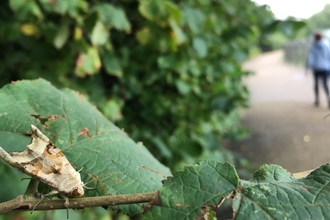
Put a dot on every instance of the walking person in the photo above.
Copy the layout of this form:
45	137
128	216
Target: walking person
319	63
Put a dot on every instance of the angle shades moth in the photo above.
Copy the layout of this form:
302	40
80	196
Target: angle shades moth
45	162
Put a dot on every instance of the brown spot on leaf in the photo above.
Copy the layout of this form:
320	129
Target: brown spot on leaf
44	119
80	96
51	117
79	61
119	181
85	132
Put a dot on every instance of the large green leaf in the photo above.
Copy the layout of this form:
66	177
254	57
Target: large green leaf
273	193
183	195
85	136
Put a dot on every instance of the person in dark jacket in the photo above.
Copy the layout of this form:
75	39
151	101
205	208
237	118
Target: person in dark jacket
319	63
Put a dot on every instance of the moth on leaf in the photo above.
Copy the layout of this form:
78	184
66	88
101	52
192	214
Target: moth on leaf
42	160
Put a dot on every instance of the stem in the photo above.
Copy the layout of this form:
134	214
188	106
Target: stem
20	204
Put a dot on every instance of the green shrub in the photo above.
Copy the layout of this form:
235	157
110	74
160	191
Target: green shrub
168	73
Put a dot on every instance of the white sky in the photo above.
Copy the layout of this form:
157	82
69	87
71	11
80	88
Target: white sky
296	8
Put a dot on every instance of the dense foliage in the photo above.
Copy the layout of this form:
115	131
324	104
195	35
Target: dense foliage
168	72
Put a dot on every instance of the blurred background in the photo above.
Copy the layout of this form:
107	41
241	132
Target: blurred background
286	128
192	80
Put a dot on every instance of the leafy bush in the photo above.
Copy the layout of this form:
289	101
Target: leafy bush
168	73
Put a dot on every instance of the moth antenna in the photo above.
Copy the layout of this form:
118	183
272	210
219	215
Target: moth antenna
91	180
86	187
26	178
94	178
155	171
84	184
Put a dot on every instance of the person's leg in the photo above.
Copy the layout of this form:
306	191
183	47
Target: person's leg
325	85
316	87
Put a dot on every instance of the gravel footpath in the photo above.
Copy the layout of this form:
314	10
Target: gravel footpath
286	128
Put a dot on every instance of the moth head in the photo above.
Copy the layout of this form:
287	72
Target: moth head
77	191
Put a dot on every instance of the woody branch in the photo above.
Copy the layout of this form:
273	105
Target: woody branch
21	204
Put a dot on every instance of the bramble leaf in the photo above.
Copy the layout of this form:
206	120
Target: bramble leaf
184	194
273	193
107	156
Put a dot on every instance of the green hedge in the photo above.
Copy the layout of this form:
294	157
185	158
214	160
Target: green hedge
168	72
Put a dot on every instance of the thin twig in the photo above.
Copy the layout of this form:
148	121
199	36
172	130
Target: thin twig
20	204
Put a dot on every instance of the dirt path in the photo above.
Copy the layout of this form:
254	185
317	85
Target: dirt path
287	129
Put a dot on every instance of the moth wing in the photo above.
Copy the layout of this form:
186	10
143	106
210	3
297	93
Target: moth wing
44	161
35	149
